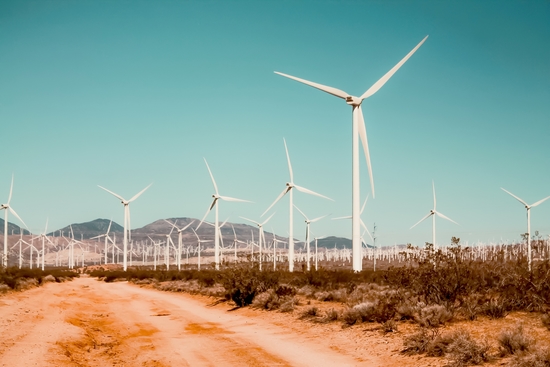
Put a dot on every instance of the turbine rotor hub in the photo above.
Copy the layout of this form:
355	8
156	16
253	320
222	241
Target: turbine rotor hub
354	101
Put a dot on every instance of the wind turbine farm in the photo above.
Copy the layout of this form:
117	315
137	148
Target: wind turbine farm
103	99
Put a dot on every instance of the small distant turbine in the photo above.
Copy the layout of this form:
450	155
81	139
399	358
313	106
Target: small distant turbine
7	208
216	197
288	189
127	228
528	207
308	222
432	214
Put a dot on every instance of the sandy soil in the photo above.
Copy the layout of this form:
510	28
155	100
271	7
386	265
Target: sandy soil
91	323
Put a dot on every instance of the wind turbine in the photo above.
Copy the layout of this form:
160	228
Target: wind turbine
199	248
528	207
7	208
308	222
261	233
127	227
106	235
180	233
288	189
216	197
358	130
432	214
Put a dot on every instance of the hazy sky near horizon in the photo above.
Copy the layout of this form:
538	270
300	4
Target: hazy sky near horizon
127	93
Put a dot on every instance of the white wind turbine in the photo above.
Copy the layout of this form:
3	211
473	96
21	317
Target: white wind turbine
308	222
261	233
432	214
199	241
358	130
7	208
216	197
180	234
107	237
127	228
288	189
528	207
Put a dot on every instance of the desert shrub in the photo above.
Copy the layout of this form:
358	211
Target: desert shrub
439	345
469	306
545	319
433	316
331	315
495	308
418	343
465	351
268	300
289	305
537	358
389	326
514	340
310	312
242	283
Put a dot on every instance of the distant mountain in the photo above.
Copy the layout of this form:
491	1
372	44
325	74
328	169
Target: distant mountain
160	228
12	228
88	230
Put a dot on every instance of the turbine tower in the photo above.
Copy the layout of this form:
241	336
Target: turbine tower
127	228
358	130
432	214
216	197
528	207
308	222
288	189
7	208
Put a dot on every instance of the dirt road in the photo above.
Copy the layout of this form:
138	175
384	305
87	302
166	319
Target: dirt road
91	323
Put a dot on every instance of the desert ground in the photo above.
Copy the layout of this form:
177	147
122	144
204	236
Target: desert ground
87	322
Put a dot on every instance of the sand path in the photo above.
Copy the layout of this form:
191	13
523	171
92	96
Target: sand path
90	323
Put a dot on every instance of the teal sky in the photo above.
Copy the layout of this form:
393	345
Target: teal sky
125	93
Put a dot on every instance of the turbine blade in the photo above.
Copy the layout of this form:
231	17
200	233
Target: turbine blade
445	217
17	216
433	189
287	189
109	229
308	191
288	160
129	225
318	218
521	201
363	135
227	198
253	221
421	220
112	193
139	193
267	220
376	86
364	205
346	217
205	214
324	88
301	212
11	190
540	201
211	176
213	203
187	226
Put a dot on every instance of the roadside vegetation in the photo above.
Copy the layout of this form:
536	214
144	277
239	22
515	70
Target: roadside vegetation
431	289
14	278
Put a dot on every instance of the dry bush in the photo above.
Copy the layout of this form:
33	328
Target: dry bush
466	351
289	305
495	308
545	319
418	343
514	340
470	306
4	288
536	358
407	310
48	279
267	300
331	315
433	316
310	312
389	326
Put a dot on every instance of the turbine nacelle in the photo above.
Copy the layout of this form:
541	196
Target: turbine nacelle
4	206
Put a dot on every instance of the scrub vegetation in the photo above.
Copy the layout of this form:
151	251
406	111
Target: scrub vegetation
431	289
14	278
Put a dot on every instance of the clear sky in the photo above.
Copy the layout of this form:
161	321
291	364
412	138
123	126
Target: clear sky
125	93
